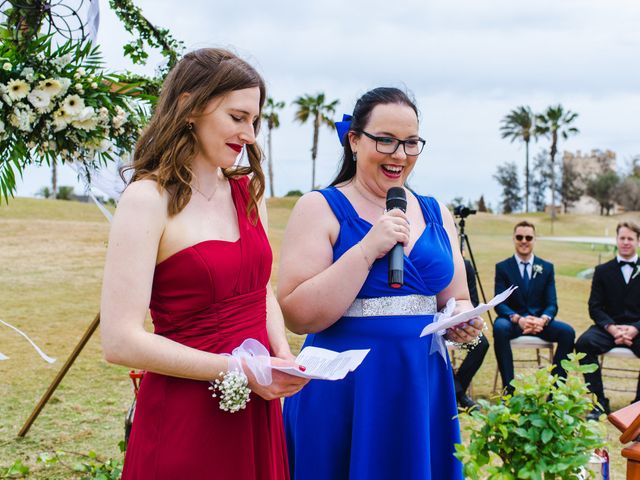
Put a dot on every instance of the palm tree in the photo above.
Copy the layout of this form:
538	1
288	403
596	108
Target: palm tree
519	124
316	108
553	123
54	178
270	114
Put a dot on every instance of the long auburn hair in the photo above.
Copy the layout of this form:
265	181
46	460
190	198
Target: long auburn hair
166	146
361	113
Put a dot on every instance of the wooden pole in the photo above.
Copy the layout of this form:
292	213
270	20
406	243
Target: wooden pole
63	371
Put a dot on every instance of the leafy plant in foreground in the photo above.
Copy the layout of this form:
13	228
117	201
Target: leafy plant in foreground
538	433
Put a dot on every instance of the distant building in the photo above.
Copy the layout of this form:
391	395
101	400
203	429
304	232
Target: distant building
589	166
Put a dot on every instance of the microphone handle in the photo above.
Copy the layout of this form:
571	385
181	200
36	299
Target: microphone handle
396	266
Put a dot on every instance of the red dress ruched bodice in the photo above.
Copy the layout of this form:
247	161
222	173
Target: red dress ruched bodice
210	296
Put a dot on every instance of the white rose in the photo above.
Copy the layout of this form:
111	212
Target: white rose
86	120
7	66
39	99
27	73
66	83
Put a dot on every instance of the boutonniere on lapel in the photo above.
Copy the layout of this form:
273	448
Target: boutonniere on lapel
635	272
537	268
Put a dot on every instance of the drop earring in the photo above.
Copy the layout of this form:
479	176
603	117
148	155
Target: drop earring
355	156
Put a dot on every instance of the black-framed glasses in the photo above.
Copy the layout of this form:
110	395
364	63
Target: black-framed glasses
389	145
528	238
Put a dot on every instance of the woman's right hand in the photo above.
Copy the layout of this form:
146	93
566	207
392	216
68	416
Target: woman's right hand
389	229
282	384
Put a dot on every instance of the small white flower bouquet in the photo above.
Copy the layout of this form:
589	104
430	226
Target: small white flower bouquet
58	104
232	390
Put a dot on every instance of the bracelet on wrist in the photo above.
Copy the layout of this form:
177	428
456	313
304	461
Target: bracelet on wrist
468	345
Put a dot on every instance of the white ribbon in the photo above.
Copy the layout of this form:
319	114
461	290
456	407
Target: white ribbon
255	356
93	20
44	356
437	339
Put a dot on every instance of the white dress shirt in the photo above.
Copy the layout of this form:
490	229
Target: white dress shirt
627	270
520	260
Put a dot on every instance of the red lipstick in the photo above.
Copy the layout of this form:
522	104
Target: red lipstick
234	146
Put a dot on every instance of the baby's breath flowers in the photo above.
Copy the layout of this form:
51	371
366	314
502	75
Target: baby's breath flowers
232	390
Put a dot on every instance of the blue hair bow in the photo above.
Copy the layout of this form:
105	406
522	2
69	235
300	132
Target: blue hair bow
342	128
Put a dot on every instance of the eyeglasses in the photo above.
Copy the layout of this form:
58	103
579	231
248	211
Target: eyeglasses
389	145
528	238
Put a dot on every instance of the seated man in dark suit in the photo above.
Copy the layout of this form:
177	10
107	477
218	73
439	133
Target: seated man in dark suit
471	364
614	306
531	308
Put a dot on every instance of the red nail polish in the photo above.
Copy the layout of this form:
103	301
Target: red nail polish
302	368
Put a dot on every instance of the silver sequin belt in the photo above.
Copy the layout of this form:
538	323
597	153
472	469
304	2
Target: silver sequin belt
401	305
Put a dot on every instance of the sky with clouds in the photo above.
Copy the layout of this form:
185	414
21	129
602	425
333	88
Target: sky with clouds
466	62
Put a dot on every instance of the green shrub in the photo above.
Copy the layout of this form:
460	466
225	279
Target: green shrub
294	193
538	433
64	193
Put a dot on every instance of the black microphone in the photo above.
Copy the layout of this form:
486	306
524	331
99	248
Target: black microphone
396	198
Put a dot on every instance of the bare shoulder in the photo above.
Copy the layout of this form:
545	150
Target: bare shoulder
312	203
447	218
313	215
144	195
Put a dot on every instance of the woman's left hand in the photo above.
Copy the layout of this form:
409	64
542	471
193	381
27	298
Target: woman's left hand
465	332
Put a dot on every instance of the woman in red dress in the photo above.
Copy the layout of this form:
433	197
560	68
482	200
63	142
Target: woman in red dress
188	242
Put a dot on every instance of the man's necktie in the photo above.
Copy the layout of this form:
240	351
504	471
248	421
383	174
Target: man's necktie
525	275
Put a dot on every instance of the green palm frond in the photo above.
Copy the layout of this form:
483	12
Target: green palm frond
519	124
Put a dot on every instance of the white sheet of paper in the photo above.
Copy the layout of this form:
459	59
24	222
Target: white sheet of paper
465	316
323	364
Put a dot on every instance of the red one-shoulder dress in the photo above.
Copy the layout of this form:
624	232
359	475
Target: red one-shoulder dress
210	296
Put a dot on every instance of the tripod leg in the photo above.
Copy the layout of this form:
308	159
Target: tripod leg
63	371
465	239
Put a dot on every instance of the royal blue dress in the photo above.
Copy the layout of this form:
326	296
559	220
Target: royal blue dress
395	416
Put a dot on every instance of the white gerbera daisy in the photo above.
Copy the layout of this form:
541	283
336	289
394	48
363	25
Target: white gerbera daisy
51	86
73	105
61	119
17	89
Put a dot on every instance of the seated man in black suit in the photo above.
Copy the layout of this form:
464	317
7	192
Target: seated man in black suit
614	306
473	360
531	308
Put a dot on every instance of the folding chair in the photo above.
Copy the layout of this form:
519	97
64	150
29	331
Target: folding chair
527	341
631	373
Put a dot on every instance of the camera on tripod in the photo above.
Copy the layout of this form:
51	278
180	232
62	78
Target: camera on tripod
463	212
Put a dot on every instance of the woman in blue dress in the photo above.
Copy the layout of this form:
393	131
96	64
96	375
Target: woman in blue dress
394	417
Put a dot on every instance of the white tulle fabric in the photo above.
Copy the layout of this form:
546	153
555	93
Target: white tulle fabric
256	357
438	343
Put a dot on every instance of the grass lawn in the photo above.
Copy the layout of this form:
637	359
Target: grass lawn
51	259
